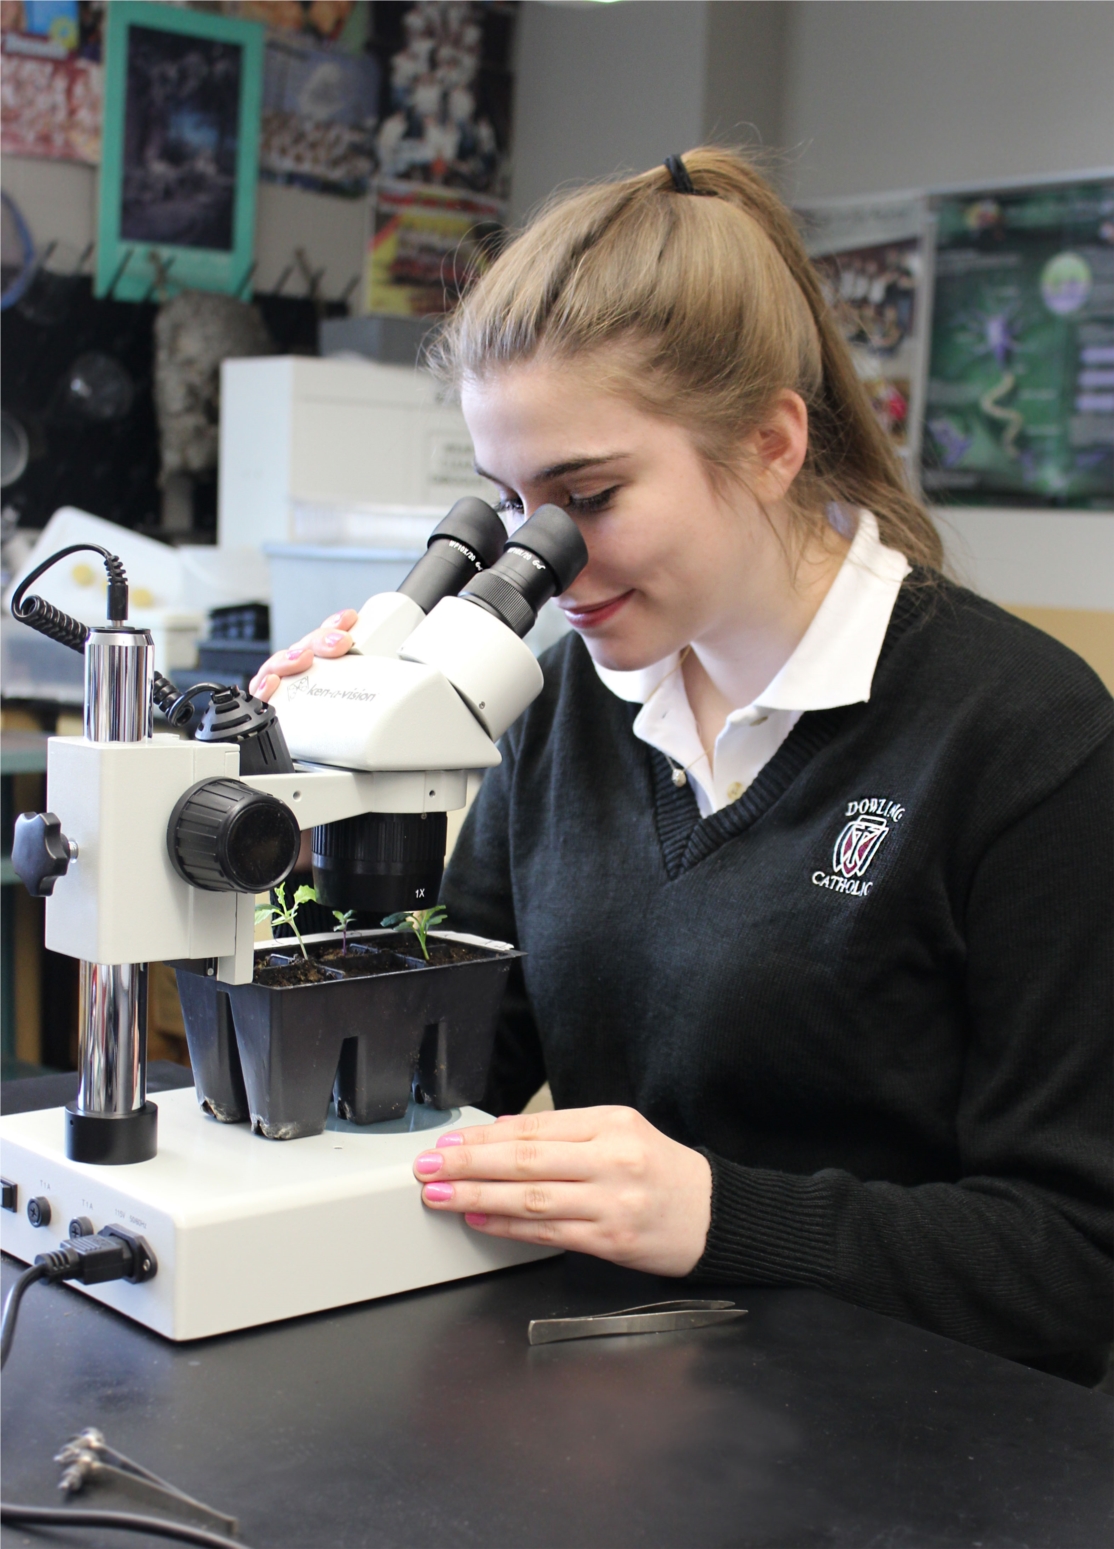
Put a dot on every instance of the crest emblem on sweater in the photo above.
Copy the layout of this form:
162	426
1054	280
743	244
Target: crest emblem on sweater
868	821
857	845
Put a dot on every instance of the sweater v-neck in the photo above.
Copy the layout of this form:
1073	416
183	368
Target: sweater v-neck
686	838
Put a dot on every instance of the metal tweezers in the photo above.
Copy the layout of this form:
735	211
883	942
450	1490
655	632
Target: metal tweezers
87	1458
657	1318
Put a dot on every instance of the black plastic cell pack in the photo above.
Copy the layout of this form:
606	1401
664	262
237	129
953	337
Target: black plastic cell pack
277	1055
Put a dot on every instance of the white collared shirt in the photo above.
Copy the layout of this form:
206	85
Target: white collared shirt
832	665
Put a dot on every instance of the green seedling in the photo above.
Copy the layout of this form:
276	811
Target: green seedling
344	920
283	913
420	921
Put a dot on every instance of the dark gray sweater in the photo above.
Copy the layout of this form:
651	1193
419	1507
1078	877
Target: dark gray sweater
876	990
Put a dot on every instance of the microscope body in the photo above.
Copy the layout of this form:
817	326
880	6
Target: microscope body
155	848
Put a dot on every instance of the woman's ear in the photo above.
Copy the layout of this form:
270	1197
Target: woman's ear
777	449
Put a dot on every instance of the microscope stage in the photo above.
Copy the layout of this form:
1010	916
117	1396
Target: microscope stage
246	1230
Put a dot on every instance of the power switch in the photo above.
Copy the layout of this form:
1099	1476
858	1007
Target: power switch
9	1195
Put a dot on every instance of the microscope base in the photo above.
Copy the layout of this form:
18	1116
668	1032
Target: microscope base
247	1231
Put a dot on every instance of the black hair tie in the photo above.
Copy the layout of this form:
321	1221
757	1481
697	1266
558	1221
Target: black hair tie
677	170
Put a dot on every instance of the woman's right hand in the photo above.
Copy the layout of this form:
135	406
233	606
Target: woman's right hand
332	639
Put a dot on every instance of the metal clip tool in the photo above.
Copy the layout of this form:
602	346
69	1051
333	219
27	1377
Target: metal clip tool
656	1318
88	1458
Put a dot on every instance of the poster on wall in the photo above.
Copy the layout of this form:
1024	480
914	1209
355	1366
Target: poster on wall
320	94
51	83
426	244
320	109
445	93
872	257
1020	401
180	151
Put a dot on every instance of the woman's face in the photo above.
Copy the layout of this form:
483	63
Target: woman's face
672	559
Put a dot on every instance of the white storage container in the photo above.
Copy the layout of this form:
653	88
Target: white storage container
300	432
310	581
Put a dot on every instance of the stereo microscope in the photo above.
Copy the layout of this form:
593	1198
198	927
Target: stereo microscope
154	848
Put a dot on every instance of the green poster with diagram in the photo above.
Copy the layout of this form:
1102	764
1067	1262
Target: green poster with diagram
1020	399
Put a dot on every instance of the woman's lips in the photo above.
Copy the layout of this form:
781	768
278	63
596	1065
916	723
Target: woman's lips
592	615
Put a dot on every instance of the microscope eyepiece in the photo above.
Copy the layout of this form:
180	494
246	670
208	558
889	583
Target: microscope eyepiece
463	544
544	557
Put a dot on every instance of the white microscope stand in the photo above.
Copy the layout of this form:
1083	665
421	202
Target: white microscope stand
248	1231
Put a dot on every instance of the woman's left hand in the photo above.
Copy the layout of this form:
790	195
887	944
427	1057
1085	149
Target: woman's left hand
595	1180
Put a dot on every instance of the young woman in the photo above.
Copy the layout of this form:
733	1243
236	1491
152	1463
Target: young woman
809	848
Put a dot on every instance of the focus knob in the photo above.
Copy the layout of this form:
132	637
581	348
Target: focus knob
225	837
41	853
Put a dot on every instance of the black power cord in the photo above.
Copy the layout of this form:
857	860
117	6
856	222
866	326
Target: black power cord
112	1254
51	621
119	1521
11	1308
181	711
56	625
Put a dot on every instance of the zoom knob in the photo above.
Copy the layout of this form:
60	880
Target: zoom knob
225	837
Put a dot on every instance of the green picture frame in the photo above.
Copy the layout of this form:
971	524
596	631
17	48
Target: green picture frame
183	93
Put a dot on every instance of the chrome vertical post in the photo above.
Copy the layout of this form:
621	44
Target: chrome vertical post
111	1120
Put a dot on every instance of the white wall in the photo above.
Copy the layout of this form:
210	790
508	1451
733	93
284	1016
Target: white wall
604	88
899	95
746	59
615	88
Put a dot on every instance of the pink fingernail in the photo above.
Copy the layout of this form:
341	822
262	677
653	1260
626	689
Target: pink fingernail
333	639
453	1138
294	652
475	1219
429	1162
438	1192
334	620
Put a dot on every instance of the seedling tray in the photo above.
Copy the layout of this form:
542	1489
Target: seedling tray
275	1053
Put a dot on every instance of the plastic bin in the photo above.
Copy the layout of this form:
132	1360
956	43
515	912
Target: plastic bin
310	581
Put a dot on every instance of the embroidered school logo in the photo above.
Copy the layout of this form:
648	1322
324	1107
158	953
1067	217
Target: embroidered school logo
869	821
857	845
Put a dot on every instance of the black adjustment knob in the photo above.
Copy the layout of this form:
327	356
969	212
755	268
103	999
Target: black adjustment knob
225	837
38	1210
235	716
41	853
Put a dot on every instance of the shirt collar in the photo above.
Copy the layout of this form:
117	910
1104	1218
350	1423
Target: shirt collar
835	659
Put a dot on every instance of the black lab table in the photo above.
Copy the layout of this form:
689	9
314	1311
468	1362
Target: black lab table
427	1420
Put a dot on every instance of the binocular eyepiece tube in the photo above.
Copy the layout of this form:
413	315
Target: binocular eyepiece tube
387	862
461	546
543	557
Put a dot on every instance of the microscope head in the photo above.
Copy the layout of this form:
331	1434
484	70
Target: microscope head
435	700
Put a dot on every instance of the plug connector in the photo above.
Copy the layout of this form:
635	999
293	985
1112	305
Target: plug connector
113	1254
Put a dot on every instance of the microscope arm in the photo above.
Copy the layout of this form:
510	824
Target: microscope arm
404	732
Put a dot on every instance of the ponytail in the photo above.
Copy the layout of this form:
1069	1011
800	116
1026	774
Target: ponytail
708	307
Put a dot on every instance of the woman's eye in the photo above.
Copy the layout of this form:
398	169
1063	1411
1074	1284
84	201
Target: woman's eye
507	505
587	503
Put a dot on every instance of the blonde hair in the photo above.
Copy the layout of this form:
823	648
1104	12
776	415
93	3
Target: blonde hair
700	309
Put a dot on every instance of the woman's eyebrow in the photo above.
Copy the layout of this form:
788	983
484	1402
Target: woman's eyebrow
558	470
